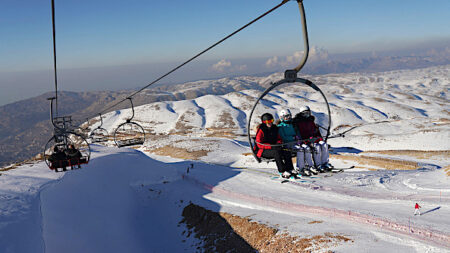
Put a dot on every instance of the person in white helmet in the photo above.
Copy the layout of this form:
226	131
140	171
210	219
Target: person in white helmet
313	149
286	129
288	134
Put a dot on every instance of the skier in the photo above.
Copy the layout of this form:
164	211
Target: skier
74	155
286	129
312	146
268	142
417	211
290	136
58	158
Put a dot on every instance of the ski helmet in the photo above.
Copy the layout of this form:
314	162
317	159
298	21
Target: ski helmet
266	116
305	111
285	113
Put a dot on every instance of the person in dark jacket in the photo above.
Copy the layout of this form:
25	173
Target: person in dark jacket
74	155
306	126
269	141
58	158
315	150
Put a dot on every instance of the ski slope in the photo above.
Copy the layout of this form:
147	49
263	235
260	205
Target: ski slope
126	201
132	200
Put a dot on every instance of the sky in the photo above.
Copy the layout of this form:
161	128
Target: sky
119	45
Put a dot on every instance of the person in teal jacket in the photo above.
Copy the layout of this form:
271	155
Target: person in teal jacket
286	128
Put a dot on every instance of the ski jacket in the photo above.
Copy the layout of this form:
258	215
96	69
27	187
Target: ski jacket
73	153
417	206
268	136
58	156
286	131
307	128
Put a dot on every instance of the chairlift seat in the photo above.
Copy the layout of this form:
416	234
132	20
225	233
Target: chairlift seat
72	162
130	142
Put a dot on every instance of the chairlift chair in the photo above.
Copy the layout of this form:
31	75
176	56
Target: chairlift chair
61	140
99	134
290	78
129	133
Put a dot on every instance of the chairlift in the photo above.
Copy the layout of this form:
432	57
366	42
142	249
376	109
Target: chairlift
66	149
99	134
290	78
129	133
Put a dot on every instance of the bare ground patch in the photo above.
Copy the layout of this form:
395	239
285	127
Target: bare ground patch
225	121
221	132
419	154
182	126
176	152
17	165
386	163
224	232
447	169
315	222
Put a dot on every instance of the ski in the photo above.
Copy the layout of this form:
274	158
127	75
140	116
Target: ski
336	170
298	179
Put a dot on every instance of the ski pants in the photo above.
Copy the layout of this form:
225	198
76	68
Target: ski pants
312	155
282	158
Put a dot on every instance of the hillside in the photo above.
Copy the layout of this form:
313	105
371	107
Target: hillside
400	105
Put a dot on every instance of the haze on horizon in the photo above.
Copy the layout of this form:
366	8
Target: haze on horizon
108	45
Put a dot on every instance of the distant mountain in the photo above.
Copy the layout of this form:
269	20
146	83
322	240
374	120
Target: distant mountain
376	64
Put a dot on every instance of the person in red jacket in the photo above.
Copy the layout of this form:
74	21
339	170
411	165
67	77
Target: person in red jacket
312	144
417	207
269	141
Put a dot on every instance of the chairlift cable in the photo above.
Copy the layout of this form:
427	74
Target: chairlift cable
197	55
54	57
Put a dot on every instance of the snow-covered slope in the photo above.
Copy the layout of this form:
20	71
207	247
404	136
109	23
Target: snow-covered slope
128	200
401	106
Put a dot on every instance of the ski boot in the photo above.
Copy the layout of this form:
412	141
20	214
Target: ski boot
295	171
327	167
321	169
305	172
286	175
314	170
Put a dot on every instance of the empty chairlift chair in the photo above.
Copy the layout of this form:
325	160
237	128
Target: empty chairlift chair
129	133
99	134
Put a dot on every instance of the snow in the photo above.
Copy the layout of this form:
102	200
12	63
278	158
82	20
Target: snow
128	200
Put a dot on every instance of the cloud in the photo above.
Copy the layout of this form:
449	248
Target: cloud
221	65
241	67
272	62
315	54
225	66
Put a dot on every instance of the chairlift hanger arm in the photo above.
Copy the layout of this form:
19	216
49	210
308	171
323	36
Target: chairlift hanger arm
101	120
132	109
291	74
51	114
